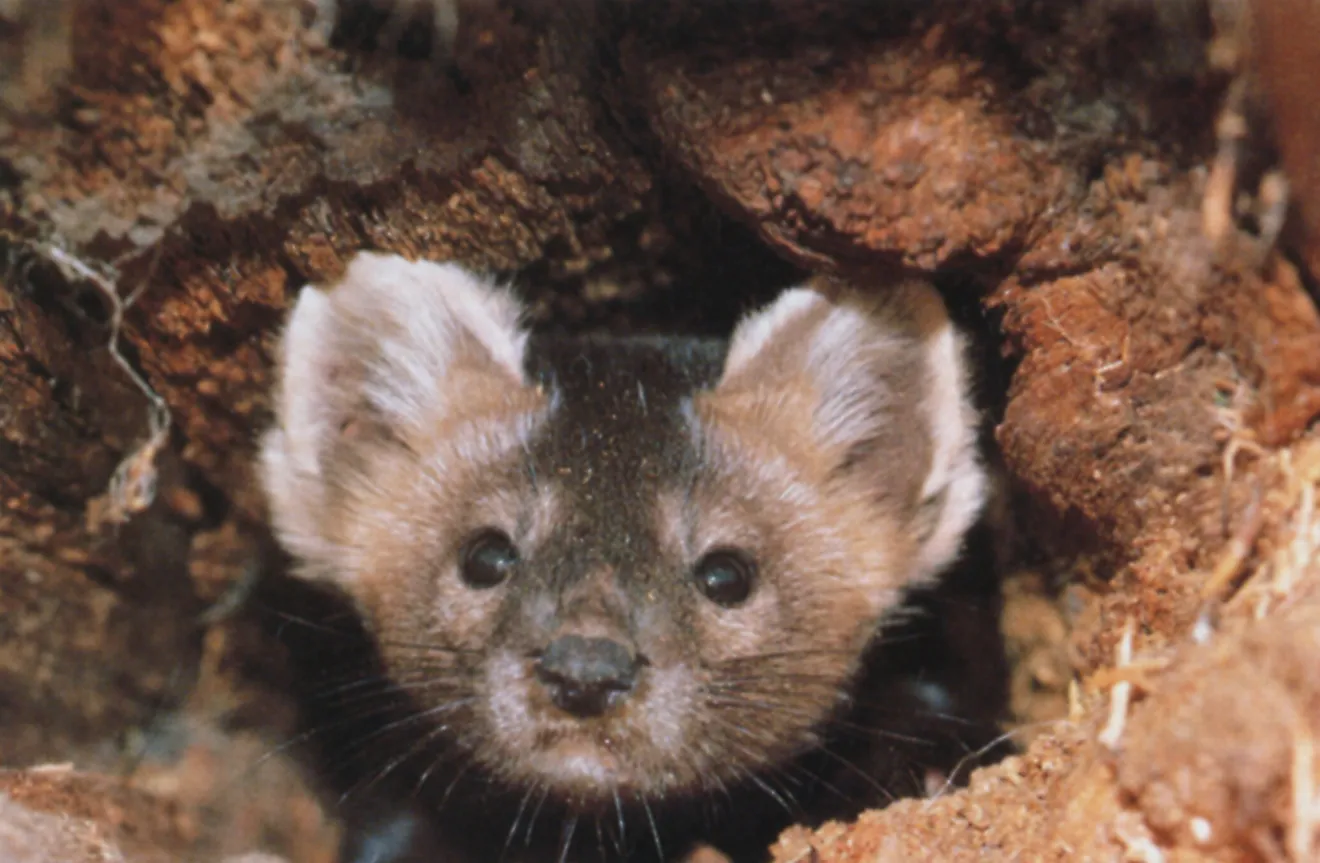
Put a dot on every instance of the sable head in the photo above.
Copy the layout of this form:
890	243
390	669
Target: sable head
643	568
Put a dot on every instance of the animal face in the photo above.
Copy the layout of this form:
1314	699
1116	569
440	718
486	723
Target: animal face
613	569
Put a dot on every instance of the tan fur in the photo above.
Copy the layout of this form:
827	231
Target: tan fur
828	366
836	450
398	372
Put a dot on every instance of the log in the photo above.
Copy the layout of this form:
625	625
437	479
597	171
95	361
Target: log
171	173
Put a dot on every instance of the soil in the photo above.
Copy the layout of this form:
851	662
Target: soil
1094	186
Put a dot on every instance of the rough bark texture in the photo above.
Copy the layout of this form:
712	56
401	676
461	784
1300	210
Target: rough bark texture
1048	164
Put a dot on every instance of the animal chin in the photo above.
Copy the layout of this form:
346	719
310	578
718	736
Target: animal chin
586	758
588	761
580	766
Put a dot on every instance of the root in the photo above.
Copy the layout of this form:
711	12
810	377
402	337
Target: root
1121	693
1137	673
1239	547
1296	544
1305	806
133	485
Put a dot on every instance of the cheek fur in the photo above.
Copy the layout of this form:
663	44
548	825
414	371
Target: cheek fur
733	633
665	713
397	553
506	702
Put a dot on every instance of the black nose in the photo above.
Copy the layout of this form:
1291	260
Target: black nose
584	676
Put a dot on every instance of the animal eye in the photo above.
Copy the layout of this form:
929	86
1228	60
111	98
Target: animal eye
725	576
487	558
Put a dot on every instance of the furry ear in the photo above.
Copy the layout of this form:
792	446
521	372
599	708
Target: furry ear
381	356
872	391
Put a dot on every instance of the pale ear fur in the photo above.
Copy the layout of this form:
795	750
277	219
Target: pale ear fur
380	346
885	366
956	484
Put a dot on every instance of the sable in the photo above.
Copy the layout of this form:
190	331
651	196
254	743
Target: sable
621	580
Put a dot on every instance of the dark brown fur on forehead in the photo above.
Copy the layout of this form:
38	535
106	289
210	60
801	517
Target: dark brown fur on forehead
618	433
